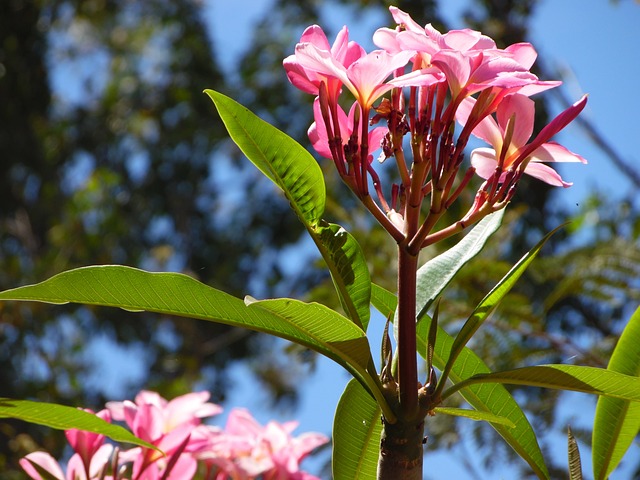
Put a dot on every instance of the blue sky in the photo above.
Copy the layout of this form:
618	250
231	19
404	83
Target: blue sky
597	41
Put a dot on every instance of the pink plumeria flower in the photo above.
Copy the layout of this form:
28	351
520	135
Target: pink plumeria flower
75	467
169	425
189	409
269	452
519	110
86	444
320	139
470	61
343	51
365	77
91	456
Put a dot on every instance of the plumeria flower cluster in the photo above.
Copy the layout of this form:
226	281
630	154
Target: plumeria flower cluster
439	89
243	450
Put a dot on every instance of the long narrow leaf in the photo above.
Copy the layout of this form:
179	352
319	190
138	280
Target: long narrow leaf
491	301
476	415
617	422
356	435
598	381
292	168
348	268
61	417
437	273
283	160
494	399
317	328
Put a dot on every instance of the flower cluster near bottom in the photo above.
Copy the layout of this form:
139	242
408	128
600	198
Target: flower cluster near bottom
242	450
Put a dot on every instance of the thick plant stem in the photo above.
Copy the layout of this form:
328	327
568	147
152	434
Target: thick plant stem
407	376
401	450
401	441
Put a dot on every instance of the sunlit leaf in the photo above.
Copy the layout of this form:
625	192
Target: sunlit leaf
617	422
476	415
356	435
283	160
598	381
491	301
438	272
493	399
61	417
313	326
294	170
348	268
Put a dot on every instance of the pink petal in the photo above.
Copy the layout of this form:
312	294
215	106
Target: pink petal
240	422
557	124
367	74
101	458
187	407
484	161
523	53
320	61
523	108
486	130
546	174
184	469
537	87
418	78
315	35
146	397
43	460
386	39
403	18
375	138
554	152
299	77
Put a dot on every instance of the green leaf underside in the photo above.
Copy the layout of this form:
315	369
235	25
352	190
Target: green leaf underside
494	399
577	378
617	422
310	325
437	273
61	417
283	160
348	268
493	298
294	170
476	415
356	434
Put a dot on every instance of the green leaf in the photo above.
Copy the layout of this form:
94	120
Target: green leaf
294	170
491	301
437	273
617	422
356	434
348	268
575	465
312	325
493	399
61	417
476	415
598	381
283	160
383	300
324	324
